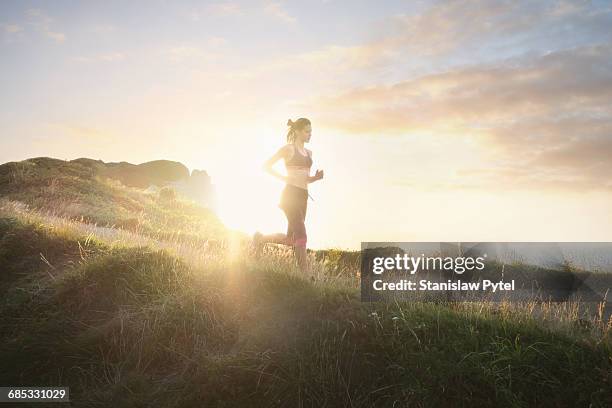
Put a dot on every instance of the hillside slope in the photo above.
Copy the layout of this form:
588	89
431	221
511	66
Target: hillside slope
83	190
173	310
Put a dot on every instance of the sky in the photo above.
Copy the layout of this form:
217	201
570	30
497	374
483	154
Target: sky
433	120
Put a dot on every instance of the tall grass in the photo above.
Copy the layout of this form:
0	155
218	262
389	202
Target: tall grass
126	317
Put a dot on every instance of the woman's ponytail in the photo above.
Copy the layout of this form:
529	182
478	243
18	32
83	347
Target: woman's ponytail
293	126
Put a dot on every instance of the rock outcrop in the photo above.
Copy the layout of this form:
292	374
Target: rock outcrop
198	187
156	174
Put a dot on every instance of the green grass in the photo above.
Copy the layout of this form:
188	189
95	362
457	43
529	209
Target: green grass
77	191
126	319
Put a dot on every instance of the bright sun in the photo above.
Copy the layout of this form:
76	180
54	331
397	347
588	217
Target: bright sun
247	197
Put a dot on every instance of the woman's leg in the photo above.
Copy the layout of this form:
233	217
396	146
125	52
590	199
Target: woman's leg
299	244
259	240
295	211
301	258
299	247
278	238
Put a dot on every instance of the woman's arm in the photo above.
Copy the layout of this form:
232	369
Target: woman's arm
280	154
318	176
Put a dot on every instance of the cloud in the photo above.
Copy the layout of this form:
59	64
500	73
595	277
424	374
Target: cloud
461	27
71	135
78	130
225	8
560	83
38	17
404	46
274	9
216	41
445	25
11	28
277	10
452	25
329	59
103	28
182	52
58	37
218	9
41	22
108	57
572	150
209	50
551	114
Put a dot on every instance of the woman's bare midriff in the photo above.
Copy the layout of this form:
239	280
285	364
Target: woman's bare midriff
298	176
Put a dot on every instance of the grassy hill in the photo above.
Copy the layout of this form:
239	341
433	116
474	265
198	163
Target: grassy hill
80	190
139	299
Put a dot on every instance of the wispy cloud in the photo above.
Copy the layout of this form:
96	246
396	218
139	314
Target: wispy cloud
462	25
81	131
39	17
58	37
218	9
225	8
11	28
561	83
449	25
103	28
183	52
41	22
277	10
551	113
208	50
548	111
108	57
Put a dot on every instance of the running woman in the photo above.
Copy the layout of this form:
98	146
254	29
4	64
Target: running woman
298	161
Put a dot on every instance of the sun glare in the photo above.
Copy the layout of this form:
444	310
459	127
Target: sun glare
247	196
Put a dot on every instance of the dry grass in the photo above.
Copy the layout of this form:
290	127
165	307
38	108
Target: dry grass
160	314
